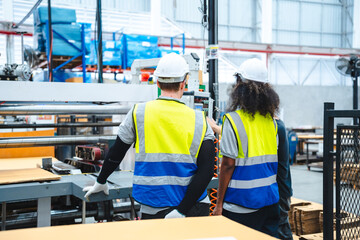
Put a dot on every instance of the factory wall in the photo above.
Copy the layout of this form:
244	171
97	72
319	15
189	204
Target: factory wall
304	105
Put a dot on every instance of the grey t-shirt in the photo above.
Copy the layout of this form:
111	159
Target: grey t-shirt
127	134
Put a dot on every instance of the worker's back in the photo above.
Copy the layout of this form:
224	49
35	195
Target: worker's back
253	183
168	138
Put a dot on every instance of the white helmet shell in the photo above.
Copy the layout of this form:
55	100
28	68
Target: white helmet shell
171	68
254	70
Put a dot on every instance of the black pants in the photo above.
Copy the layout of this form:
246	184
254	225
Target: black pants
199	209
265	219
284	225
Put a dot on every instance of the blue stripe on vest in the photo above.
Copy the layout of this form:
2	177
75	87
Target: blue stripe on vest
258	171
153	169
160	196
254	198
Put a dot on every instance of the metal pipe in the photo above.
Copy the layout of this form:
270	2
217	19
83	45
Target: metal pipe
60	125
50	39
99	38
28	14
355	97
213	63
51	141
64	109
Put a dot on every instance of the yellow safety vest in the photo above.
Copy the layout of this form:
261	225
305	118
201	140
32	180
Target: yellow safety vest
168	139
253	183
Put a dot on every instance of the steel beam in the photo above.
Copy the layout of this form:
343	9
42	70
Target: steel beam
60	125
51	141
64	109
75	92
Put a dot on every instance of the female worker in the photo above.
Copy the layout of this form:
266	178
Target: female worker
248	192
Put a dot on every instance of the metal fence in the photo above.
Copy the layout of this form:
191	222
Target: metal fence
347	182
346	174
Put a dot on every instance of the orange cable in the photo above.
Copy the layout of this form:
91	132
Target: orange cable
213	193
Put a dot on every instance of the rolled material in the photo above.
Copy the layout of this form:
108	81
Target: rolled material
61	125
64	109
52	141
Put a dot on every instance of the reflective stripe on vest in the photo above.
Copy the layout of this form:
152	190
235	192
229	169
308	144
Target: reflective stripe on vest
253	183
168	139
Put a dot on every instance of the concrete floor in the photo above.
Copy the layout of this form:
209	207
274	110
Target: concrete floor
307	185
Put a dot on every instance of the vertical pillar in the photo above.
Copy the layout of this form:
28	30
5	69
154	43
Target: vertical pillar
356	26
213	63
83	212
155	16
328	174
3	216
266	21
44	212
50	39
99	39
8	15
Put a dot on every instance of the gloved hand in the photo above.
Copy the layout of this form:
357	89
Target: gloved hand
97	187
174	214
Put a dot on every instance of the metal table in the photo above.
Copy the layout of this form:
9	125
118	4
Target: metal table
120	186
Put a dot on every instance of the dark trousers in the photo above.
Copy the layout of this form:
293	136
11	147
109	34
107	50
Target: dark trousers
199	209
265	219
284	225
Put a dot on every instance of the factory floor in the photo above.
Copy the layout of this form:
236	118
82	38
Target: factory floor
307	185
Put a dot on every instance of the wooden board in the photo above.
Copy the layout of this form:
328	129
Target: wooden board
306	137
26	175
27	151
213	227
316	236
22	163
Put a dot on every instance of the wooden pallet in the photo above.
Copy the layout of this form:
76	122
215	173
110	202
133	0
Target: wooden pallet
58	60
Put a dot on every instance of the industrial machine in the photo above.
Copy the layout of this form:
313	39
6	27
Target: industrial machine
15	72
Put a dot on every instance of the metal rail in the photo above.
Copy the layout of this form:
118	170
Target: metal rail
51	141
64	109
60	125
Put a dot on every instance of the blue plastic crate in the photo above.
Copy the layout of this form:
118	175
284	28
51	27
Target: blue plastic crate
58	15
111	53
140	47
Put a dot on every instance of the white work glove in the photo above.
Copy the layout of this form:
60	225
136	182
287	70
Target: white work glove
97	187
174	214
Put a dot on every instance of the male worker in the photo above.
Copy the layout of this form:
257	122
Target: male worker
174	150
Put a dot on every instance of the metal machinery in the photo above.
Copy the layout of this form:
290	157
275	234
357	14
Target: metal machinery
63	202
15	72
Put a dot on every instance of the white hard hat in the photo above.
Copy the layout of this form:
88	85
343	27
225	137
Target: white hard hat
171	68
255	70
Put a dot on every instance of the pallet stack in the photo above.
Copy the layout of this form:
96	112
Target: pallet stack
295	203
306	219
